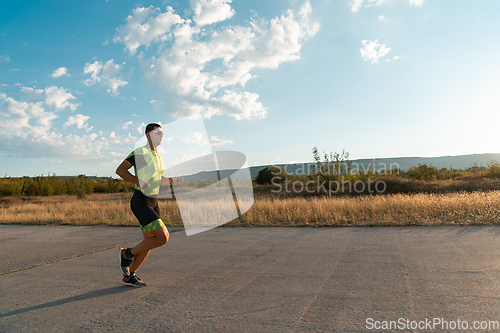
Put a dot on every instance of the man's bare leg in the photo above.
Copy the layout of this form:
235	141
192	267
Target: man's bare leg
153	239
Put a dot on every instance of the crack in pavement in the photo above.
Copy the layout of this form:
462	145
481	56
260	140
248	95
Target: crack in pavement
67	258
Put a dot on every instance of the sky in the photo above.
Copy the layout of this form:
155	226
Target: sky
270	79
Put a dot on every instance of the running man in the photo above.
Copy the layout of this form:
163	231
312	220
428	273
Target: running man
148	176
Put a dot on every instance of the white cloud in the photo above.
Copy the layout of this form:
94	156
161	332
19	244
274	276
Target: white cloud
356	5
382	18
215	141
143	28
116	139
79	120
211	11
14	70
59	97
370	3
60	72
92	69
243	105
113	138
108	75
372	51
21	118
4	58
141	127
3	96
31	93
394	58
195	137
201	72
127	124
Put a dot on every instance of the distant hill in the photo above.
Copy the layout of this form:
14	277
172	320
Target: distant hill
449	162
404	163
71	177
91	177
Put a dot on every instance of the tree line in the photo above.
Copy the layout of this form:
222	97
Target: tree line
53	185
328	167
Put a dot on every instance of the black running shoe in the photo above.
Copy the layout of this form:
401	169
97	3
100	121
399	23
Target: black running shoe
133	281
124	262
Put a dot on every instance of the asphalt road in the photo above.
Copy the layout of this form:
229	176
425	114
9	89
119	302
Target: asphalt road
252	279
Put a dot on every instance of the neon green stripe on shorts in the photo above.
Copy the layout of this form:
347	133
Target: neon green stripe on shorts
153	225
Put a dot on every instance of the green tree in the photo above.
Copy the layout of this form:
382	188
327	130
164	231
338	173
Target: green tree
10	186
333	165
29	186
493	169
266	175
423	172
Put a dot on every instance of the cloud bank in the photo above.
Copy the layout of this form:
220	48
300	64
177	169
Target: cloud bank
27	129
202	69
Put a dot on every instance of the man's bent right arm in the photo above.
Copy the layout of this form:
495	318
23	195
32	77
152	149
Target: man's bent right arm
123	172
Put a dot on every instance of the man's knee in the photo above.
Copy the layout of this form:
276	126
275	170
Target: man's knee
162	240
162	237
165	237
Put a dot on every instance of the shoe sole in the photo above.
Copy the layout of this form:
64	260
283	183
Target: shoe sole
120	254
133	285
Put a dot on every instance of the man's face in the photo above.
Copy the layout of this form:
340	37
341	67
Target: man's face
156	136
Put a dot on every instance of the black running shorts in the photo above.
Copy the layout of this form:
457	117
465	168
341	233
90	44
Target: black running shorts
146	210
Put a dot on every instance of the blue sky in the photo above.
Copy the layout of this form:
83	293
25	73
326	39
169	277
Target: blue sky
272	79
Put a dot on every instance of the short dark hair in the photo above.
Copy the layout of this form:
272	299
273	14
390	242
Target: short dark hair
151	127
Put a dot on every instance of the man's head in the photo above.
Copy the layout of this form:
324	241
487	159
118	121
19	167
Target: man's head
151	127
154	134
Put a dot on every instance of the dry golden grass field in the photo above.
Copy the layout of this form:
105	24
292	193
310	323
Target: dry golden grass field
479	208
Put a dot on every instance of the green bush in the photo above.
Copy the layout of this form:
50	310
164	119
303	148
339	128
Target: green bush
493	170
80	186
423	172
266	175
10	187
